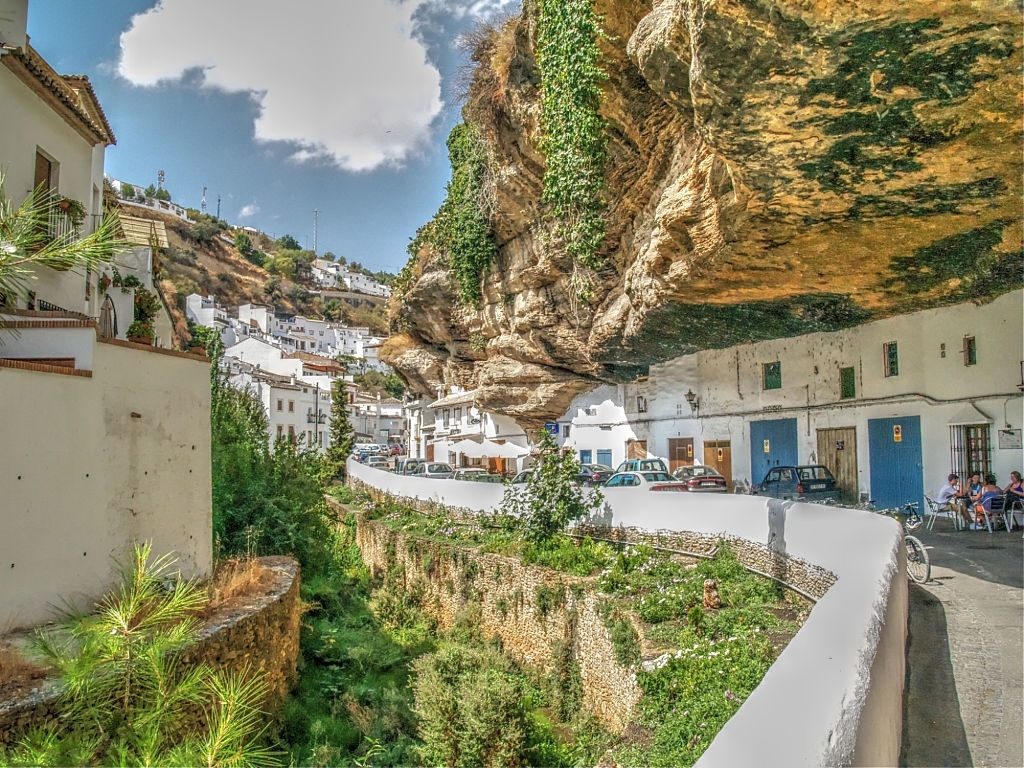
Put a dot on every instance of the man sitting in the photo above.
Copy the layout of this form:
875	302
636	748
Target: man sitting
951	498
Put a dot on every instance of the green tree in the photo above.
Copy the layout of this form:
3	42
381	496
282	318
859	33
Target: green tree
150	191
288	243
343	436
25	242
552	498
243	243
471	707
128	698
127	191
204	231
162	194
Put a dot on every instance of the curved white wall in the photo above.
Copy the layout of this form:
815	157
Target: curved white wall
834	696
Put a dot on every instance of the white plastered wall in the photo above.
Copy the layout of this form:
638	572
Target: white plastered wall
90	465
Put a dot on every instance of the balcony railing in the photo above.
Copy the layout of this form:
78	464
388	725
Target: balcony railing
314	418
61	226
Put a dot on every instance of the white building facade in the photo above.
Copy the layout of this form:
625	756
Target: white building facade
891	407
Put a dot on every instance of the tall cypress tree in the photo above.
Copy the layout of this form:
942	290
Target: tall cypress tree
343	436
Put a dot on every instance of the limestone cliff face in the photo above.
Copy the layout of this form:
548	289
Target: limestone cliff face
775	167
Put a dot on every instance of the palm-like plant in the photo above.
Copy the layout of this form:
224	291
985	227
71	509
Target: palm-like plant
26	241
128	696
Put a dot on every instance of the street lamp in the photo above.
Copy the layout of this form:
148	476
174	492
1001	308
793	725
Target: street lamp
693	400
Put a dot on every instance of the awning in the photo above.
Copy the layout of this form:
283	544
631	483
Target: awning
969	414
489	449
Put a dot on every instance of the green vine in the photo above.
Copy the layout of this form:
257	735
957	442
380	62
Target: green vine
460	228
573	133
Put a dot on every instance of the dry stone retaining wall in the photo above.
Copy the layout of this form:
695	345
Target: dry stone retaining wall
533	611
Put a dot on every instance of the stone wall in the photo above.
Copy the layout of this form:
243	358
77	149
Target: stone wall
258	632
532	610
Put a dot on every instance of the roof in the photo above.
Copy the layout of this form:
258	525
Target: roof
138	231
70	96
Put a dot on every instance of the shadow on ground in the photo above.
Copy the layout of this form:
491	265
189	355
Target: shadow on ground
933	733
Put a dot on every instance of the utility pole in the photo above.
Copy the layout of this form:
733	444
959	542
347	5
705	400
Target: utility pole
202	205
218	206
316	215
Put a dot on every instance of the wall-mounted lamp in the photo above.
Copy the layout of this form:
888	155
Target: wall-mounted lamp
693	400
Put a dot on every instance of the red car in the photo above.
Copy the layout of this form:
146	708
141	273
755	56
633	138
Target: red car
701	479
396	450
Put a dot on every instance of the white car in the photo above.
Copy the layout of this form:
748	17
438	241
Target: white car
377	462
653	480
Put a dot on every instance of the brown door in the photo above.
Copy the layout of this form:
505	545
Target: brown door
837	450
430	451
680	452
718	454
637	449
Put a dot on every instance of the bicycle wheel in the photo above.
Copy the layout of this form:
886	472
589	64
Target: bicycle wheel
918	567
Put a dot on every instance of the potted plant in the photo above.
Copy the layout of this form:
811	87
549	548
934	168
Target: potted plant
141	332
73	209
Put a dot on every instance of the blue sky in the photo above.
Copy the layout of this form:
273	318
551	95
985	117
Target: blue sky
278	109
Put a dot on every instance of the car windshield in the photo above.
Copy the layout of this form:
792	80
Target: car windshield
815	473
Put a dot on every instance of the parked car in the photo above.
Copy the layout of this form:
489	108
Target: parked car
594	474
701	479
808	481
642	465
397	449
476	474
406	466
522	477
654	480
436	469
379	462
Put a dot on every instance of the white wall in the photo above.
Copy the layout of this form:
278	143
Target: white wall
98	463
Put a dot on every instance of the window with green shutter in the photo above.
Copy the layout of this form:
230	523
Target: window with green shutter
771	375
847	383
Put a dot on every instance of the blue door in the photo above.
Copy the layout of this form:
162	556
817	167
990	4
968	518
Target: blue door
772	443
894	452
605	457
585	457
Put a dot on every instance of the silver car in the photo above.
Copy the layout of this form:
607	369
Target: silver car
438	469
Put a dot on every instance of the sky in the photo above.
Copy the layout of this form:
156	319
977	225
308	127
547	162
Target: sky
280	110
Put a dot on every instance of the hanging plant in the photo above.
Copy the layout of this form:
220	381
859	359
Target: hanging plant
73	209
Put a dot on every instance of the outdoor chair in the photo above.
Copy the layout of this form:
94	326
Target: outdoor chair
934	510
999	510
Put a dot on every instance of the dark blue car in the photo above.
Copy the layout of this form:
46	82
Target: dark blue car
808	481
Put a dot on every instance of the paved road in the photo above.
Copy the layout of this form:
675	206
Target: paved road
963	704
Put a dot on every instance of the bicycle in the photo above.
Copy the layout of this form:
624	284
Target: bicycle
919	567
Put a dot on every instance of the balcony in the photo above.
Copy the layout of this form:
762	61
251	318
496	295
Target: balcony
316	418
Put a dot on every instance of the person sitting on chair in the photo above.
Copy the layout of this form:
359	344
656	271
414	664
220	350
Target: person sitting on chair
951	498
1015	494
983	507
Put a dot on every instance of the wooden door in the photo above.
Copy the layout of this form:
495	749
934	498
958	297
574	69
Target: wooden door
837	450
430	451
636	449
680	452
718	454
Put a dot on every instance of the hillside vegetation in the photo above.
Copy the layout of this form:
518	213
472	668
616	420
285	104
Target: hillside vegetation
202	258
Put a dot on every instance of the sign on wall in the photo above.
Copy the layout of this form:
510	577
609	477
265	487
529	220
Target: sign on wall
552	427
897	433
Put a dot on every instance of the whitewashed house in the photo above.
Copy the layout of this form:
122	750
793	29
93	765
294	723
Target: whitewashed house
113	438
205	311
454	429
891	407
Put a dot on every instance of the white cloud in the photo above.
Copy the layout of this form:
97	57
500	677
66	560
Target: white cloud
343	80
248	211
